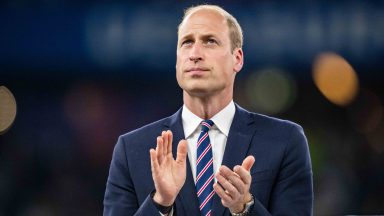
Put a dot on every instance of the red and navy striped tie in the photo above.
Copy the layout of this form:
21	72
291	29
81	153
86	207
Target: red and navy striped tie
204	170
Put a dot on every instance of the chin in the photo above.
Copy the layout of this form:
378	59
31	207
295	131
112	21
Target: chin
200	91
196	90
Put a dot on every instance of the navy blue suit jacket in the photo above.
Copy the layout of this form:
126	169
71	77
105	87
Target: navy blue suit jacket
281	175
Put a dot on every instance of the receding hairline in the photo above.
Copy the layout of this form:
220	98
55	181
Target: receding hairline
234	28
190	11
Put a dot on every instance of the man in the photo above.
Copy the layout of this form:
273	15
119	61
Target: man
228	161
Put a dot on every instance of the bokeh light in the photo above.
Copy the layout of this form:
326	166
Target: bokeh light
7	109
335	78
271	91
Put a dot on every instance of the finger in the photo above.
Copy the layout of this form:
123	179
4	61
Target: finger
227	186
238	183
225	198
248	162
159	149
244	174
170	140
233	178
154	162
181	152
164	135
226	172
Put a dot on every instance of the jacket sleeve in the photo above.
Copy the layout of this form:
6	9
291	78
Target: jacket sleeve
292	193
120	196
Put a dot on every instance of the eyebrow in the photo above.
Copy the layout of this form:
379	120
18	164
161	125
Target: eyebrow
204	36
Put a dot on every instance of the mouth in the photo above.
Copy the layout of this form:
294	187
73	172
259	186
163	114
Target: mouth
196	70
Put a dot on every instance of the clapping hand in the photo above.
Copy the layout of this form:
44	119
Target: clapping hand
168	174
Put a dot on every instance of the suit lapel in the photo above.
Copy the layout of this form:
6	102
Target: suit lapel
189	203
239	139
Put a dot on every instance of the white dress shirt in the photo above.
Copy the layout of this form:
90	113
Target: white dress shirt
218	134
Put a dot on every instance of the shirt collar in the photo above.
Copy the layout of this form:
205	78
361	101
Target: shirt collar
222	120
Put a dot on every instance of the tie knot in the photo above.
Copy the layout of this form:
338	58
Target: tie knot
206	125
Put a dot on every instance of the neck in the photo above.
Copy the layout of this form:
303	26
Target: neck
206	107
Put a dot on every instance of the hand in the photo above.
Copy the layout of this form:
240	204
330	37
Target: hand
234	185
168	174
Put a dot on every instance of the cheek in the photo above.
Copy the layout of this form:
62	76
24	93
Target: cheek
178	65
224	64
179	61
224	59
179	75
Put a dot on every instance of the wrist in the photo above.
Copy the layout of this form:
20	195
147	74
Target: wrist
248	198
160	200
164	209
243	208
237	209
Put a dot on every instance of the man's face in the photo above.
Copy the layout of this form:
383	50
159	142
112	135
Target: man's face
205	63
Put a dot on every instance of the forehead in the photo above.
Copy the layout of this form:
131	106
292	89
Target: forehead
203	21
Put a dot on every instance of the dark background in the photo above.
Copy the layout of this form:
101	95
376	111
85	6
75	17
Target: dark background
85	72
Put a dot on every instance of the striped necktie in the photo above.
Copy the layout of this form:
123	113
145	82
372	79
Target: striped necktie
204	170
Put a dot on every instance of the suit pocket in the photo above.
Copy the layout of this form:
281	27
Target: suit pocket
263	175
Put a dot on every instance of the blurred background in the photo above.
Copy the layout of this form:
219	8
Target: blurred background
85	72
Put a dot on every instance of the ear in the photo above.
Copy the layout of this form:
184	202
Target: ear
238	59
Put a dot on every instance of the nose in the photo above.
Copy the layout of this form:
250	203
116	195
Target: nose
195	54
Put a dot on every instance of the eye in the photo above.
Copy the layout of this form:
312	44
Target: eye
211	41
186	42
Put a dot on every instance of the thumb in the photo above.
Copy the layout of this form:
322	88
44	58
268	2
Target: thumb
248	162
181	151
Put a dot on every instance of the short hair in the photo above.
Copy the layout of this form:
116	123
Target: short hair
235	31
